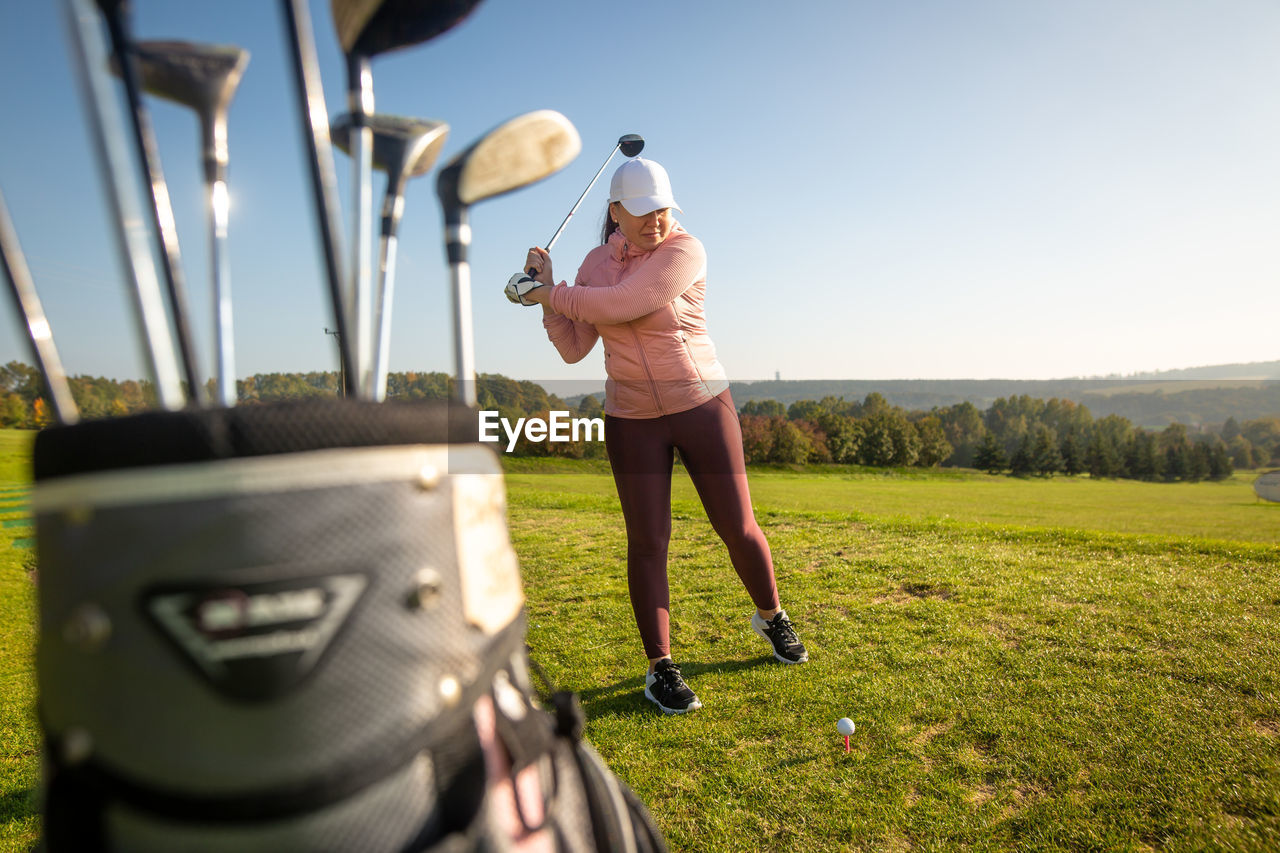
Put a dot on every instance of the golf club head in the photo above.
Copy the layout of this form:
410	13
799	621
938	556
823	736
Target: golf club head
631	144
406	146
200	76
371	27
514	154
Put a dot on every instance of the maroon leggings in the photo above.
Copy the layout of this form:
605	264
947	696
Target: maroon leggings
709	439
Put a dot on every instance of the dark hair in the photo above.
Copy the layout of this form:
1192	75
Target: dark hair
609	225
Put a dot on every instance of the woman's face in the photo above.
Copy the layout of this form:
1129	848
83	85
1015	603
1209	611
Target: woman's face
644	232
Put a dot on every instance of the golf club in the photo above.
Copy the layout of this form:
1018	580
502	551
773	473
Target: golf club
517	153
367	28
630	145
404	148
106	129
324	186
204	78
123	63
38	331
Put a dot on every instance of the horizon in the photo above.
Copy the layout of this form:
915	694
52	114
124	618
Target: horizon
1160	375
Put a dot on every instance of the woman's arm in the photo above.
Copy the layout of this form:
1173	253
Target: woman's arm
671	270
573	340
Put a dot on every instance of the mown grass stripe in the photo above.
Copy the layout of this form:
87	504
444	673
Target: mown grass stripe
16	522
24	543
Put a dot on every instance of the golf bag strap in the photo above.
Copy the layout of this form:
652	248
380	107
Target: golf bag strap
619	821
94	782
610	815
648	838
527	737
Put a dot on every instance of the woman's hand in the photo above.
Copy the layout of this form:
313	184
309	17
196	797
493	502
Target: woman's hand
538	264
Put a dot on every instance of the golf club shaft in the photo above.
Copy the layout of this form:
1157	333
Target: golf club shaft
105	124
392	209
215	176
457	237
161	209
324	186
360	104
38	331
382	353
578	203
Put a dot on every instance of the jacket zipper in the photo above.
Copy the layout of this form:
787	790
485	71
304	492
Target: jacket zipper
644	360
688	348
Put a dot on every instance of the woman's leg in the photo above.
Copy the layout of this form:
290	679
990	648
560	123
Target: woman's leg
710	442
640	453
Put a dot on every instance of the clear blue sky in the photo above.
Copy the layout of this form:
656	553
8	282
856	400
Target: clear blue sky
917	189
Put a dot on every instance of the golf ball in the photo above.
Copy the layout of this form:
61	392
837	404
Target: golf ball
844	726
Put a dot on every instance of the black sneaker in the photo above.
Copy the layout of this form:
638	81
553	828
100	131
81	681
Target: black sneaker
778	631
666	688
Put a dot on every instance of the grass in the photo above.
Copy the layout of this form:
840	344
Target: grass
1228	510
19	734
1032	665
15	456
1015	686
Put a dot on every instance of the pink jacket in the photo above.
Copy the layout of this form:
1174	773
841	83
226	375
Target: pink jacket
648	309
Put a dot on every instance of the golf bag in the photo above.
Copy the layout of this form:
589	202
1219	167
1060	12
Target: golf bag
273	628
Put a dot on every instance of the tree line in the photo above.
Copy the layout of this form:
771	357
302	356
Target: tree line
1019	434
23	405
1153	402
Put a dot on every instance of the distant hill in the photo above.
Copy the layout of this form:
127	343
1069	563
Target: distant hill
1250	370
1192	395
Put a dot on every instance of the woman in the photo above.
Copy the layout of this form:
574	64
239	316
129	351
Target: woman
642	292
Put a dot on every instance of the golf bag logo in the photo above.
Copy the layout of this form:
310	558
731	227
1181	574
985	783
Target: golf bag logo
255	642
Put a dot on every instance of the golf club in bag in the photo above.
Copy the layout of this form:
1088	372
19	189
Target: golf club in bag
369	28
630	144
89	54
204	77
318	151
39	333
404	148
517	153
124	63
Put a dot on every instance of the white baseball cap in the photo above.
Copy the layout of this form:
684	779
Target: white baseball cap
642	186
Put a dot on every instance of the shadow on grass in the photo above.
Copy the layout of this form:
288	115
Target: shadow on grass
625	698
798	760
19	805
